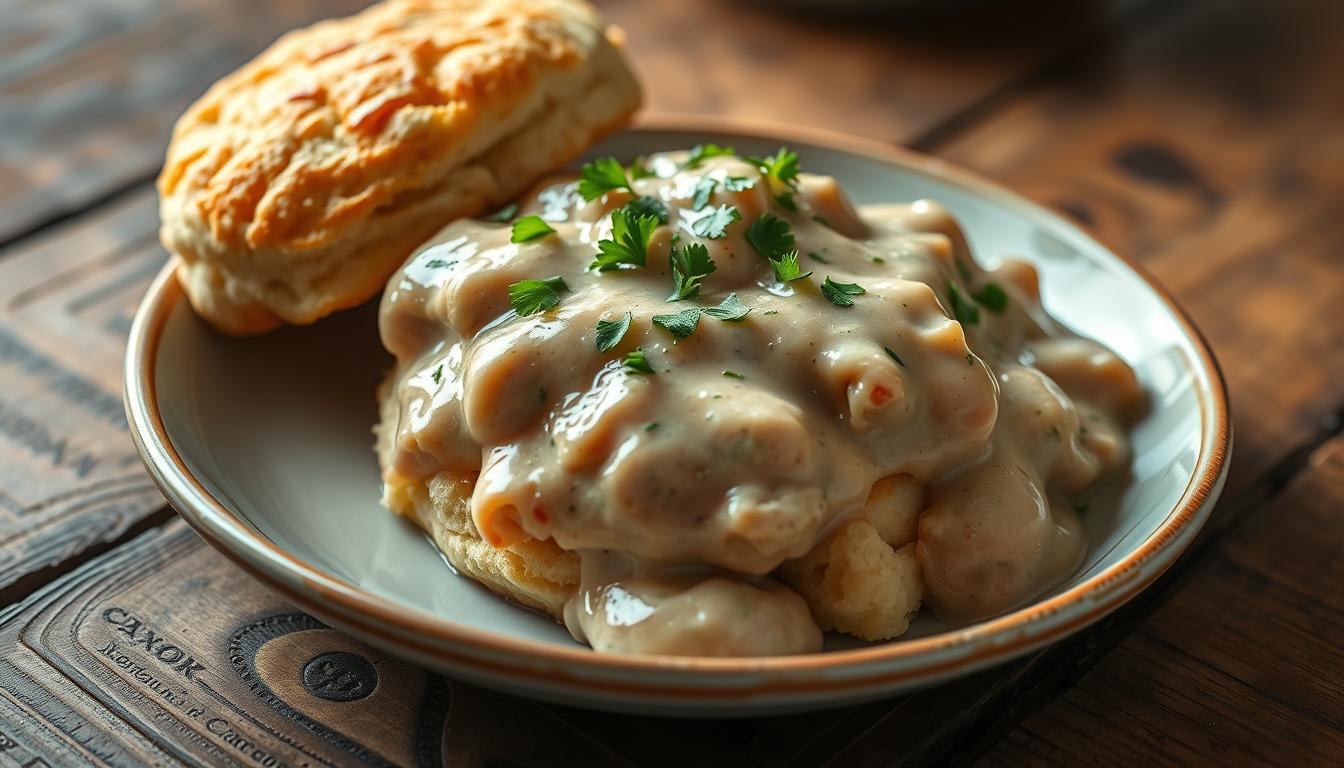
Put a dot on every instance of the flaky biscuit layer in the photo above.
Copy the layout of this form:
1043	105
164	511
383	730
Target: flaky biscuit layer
300	182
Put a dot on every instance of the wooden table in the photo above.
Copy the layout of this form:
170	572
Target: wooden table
1201	136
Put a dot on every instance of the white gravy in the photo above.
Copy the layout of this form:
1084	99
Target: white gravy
683	490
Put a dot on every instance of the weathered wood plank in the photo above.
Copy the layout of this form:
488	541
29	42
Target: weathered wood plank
136	658
89	91
70	478
1241	667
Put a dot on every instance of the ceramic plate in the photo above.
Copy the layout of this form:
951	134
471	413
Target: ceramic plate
263	445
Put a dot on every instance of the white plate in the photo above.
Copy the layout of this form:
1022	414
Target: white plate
263	445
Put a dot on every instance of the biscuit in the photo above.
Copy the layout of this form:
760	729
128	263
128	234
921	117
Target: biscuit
537	574
296	185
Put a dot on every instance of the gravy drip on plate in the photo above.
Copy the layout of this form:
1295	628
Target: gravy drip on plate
682	490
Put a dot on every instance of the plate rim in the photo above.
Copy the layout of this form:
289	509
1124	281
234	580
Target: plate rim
511	657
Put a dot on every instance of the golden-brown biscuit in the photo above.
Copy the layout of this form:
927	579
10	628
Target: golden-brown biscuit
300	182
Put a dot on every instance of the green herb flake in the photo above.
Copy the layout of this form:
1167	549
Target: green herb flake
529	297
703	189
702	152
770	236
600	177
680	324
818	257
439	263
530	228
894	356
970	359
731	309
963	270
690	265
610	332
1080	509
647	205
652	425
992	297
786	268
738	183
437	376
964	311
877	259
629	243
503	214
714	224
781	170
785	200
636	362
770	312
733	375
840	294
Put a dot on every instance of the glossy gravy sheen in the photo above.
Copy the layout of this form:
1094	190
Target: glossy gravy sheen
683	490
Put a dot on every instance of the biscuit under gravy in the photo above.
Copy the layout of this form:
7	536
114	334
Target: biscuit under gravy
296	185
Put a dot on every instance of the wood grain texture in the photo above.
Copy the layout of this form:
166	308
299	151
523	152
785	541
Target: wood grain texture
165	652
70	478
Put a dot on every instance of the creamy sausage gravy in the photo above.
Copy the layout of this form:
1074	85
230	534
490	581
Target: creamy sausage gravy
684	488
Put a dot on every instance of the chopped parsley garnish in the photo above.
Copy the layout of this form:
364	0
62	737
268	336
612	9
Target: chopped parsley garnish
703	189
964	311
841	294
610	332
992	297
787	269
652	425
733	375
629	243
894	356
602	176
640	170
714	224
770	236
970	359
503	214
646	205
963	270
781	169
529	297
690	265
731	309
818	257
439	263
738	183
701	152
680	324
437	376
877	259
636	362
530	228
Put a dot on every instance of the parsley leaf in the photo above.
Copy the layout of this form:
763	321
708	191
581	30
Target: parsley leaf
529	228
733	374
703	189
770	236
714	224
636	362
894	356
503	214
738	183
964	311
840	293
963	270
690	265
610	332
601	176
786	268
992	297
781	169
701	152
647	205
785	200
730	310
437	375
629	243
680	324
529	297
